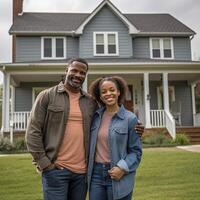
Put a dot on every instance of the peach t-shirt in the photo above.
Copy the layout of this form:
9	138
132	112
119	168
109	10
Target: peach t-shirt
71	154
102	148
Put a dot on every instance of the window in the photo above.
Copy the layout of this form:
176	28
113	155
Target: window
53	48
161	48
105	43
160	97
197	97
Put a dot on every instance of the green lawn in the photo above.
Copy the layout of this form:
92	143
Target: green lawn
164	174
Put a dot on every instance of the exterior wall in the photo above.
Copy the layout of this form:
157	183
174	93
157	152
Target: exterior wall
182	49
182	89
23	95
105	20
28	49
72	47
141	48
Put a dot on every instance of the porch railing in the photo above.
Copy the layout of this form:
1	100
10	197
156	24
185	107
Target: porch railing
19	120
170	124
157	118
163	118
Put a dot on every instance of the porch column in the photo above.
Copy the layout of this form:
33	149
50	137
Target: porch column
147	100
193	85
6	103
165	92
84	87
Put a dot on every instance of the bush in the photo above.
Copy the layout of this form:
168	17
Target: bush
181	139
20	144
6	145
157	139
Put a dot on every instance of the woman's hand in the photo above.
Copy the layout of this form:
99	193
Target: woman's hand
116	173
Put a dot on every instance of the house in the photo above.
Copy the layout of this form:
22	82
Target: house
151	51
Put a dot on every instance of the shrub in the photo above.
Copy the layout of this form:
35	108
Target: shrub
6	145
181	139
20	144
157	139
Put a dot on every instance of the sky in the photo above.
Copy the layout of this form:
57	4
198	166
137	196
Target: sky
186	11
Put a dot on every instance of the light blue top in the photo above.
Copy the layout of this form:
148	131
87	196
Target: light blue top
124	146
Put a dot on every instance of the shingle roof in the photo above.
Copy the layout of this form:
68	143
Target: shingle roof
68	22
157	23
53	22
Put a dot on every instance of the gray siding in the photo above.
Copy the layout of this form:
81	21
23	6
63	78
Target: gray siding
182	49
23	99
72	47
23	95
141	48
182	94
105	20
28	49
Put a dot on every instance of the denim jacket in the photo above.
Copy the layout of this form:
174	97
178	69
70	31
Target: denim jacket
124	146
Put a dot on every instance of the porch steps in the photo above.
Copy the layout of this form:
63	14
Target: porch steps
192	132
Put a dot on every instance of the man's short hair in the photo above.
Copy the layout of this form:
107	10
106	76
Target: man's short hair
81	60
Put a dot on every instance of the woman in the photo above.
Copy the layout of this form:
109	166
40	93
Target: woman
115	148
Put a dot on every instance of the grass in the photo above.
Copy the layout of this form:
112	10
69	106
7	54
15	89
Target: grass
164	174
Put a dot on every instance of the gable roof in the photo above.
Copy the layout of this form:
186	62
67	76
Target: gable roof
132	28
74	23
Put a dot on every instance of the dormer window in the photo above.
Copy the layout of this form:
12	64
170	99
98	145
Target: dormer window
53	47
161	48
105	44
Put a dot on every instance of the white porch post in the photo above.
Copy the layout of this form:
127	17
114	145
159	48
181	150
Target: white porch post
193	104
6	103
147	100
85	84
165	91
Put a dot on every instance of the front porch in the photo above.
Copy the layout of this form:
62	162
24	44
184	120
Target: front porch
151	94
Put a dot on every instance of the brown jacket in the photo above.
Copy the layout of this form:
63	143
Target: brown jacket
48	120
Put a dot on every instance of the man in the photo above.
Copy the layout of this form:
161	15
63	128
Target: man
58	133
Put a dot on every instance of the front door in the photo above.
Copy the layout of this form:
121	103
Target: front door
128	103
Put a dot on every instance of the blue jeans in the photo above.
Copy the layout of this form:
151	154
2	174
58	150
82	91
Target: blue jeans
101	184
62	184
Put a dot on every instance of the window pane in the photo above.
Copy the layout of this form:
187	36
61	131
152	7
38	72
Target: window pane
99	39
166	44
47	47
111	39
100	49
167	53
156	53
60	47
155	44
197	97
112	49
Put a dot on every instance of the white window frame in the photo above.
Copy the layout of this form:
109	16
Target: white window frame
105	37
161	48
53	39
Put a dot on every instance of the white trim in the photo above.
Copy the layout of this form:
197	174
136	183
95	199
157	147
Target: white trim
165	92
6	103
161	43
193	103
147	100
53	42
105	43
132	28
